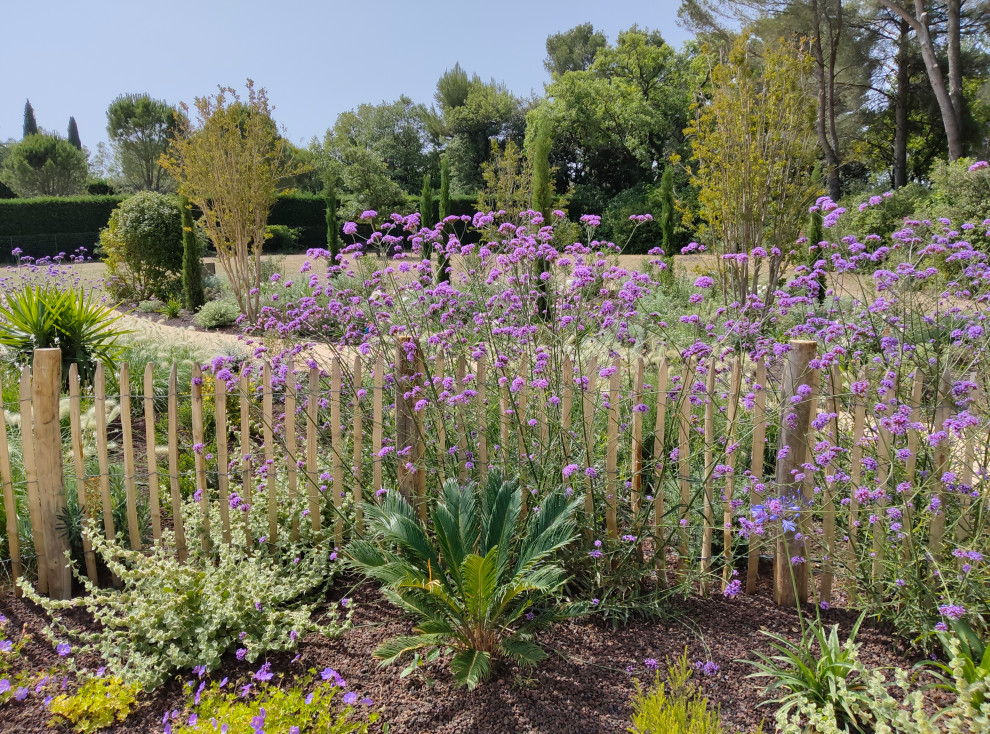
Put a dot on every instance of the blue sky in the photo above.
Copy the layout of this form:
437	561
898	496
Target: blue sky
316	59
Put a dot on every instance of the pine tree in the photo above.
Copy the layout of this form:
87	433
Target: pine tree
426	214
443	273
73	136
30	124
667	214
192	267
543	203
333	227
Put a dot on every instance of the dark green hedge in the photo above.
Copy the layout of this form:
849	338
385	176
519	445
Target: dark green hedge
56	215
85	216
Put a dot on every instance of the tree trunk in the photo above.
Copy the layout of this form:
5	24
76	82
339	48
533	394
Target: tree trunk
955	59
901	109
919	24
825	118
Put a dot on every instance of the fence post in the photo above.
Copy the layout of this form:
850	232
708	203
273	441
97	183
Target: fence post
46	390
405	426
790	580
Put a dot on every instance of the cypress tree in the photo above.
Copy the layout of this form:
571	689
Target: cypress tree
543	203
426	214
73	136
444	213
667	214
192	268
30	124
333	227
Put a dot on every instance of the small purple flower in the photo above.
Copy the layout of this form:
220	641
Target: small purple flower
732	589
265	673
241	652
6	645
350	698
4	685
953	612
21	694
651	664
63	649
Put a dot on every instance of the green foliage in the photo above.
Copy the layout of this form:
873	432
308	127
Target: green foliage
905	711
305	212
192	262
958	193
73	134
827	677
970	662
281	711
30	123
573	50
45	165
172	308
426	208
444	212
171	616
98	704
668	218
282	238
542	187
140	129
674	706
142	246
217	314
473	582
41	317
754	147
333	226
56	215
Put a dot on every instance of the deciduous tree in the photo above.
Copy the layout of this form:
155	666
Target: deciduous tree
754	147
229	164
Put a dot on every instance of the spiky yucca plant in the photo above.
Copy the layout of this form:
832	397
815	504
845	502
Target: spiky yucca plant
481	581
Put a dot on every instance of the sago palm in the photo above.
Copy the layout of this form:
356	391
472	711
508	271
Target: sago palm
482	580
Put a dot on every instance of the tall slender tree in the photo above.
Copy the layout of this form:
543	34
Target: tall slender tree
667	215
30	124
444	205
543	203
73	136
333	226
192	267
426	214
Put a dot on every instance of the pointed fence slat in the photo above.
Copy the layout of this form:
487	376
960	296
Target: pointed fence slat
173	464
199	455
612	450
356	435
684	460
588	398
31	477
150	450
756	463
336	451
709	478
637	437
223	459
268	433
312	438
79	465
244	388
732	417
9	501
100	410
659	464
828	510
127	437
291	447
481	404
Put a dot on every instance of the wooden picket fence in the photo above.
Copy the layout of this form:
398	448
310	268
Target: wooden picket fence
357	446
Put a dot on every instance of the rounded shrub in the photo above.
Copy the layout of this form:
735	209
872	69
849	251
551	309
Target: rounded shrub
142	247
217	314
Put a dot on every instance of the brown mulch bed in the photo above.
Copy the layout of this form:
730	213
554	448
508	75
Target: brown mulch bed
584	687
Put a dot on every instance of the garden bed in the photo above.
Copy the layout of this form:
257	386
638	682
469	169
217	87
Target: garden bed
584	687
